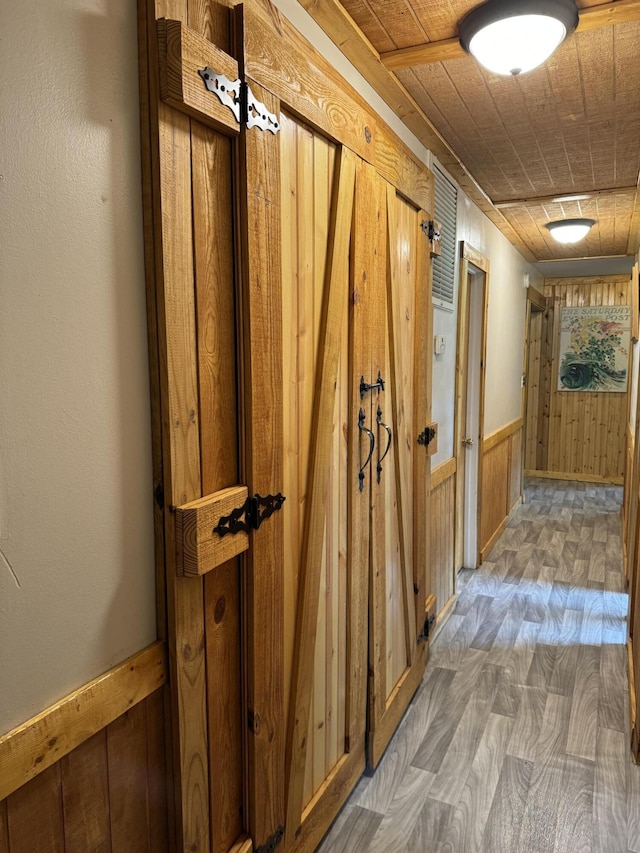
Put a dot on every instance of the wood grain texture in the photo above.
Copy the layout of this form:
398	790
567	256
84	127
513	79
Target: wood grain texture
128	781
577	433
199	548
183	53
261	312
85	797
98	796
34	746
313	536
303	79
442	524
171	195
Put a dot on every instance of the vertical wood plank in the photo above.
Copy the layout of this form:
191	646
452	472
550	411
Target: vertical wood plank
261	310
174	266
128	781
378	687
361	282
34	815
402	429
421	417
224	700
216	338
157	773
85	797
315	511
4	829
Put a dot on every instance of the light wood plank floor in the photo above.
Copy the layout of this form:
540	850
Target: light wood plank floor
517	739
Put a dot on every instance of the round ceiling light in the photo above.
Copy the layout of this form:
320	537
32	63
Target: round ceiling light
570	230
515	36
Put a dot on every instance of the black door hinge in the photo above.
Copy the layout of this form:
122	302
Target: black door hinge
426	628
426	436
238	97
272	841
250	515
429	228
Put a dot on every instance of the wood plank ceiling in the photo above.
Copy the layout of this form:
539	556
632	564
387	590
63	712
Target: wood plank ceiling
571	127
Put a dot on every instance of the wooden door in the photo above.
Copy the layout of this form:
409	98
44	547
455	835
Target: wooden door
277	296
325	346
401	354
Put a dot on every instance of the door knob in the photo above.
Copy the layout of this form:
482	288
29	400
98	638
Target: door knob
468	442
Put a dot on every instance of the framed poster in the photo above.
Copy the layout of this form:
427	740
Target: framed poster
594	348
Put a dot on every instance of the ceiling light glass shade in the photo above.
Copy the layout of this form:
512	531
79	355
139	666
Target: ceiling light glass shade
512	37
570	230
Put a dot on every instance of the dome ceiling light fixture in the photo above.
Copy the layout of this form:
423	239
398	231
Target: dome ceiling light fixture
570	230
512	37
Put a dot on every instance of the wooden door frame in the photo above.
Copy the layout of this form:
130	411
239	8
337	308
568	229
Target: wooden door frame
536	304
469	258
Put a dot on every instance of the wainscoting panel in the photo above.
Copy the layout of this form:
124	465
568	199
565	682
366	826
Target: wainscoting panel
103	782
578	434
501	481
442	520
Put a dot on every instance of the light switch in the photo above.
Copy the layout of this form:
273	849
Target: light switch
439	344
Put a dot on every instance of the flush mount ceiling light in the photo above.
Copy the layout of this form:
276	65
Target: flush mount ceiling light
570	230
515	36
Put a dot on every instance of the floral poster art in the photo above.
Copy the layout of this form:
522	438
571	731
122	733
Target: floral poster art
594	348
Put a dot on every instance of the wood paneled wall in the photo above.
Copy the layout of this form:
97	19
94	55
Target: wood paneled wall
89	774
108	794
579	435
501	482
442	522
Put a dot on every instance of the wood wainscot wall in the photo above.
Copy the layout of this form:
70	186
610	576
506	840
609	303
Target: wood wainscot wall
442	533
89	773
573	435
501	490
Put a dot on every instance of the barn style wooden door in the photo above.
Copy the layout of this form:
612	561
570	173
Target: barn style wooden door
400	606
294	321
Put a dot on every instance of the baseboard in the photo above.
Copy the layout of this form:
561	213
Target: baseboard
442	618
484	552
632	702
578	478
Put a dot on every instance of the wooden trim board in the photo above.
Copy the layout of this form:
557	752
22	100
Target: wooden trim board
445	470
591	18
38	743
578	478
501	434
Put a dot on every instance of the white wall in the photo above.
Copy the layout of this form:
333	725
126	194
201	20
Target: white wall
505	330
76	568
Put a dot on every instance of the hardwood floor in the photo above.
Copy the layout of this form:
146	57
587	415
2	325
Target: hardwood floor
518	737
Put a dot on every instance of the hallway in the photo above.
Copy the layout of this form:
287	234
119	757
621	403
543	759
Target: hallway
518	739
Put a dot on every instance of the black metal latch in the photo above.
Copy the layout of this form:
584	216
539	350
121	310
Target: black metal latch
426	628
365	387
426	436
429	228
250	515
272	841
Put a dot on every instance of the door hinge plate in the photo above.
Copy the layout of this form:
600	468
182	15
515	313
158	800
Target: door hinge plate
431	229
426	436
229	92
257	115
250	515
237	95
426	628
272	841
